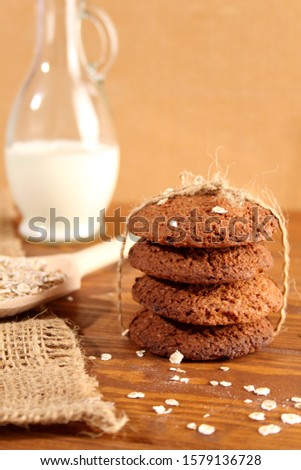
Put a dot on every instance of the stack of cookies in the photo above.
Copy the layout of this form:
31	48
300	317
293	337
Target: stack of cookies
204	292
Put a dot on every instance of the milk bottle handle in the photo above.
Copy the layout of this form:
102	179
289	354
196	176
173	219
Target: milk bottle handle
108	39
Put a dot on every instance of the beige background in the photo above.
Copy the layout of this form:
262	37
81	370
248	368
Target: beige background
191	76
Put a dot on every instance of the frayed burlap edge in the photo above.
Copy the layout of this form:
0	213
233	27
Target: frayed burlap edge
195	184
43	378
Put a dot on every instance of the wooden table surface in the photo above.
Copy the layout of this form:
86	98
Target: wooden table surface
277	367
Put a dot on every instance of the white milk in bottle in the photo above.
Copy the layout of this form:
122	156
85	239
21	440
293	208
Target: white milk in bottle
62	152
61	187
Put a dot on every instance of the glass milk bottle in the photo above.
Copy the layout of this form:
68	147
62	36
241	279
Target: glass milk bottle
62	154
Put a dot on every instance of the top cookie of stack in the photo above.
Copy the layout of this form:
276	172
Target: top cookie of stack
203	221
203	291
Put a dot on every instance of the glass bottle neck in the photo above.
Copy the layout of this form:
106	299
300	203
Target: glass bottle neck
58	32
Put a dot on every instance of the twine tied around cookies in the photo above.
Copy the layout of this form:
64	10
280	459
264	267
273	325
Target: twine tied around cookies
217	184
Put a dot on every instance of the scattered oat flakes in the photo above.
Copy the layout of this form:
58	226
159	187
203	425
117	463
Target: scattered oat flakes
125	332
290	418
257	415
219	210
296	399
247	400
214	383
176	369
224	368
206	415
140	353
185	380
249	388
206	429
161	410
176	378
262	391
136	395
172	402
70	298
268	405
298	406
269	429
106	357
21	276
91	358
225	384
176	357
191	426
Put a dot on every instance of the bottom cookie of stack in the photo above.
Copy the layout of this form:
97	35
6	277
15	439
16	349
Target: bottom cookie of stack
162	336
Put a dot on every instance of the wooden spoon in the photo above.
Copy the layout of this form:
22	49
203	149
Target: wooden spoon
74	266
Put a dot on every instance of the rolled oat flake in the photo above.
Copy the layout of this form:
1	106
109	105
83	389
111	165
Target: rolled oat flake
224	383
257	416
268	405
176	357
172	402
262	391
161	410
206	429
290	418
296	399
269	429
192	426
136	395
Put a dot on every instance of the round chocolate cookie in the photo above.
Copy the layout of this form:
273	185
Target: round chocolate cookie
216	304
203	220
200	265
199	343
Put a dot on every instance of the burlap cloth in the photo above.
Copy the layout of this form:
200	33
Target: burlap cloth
42	368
